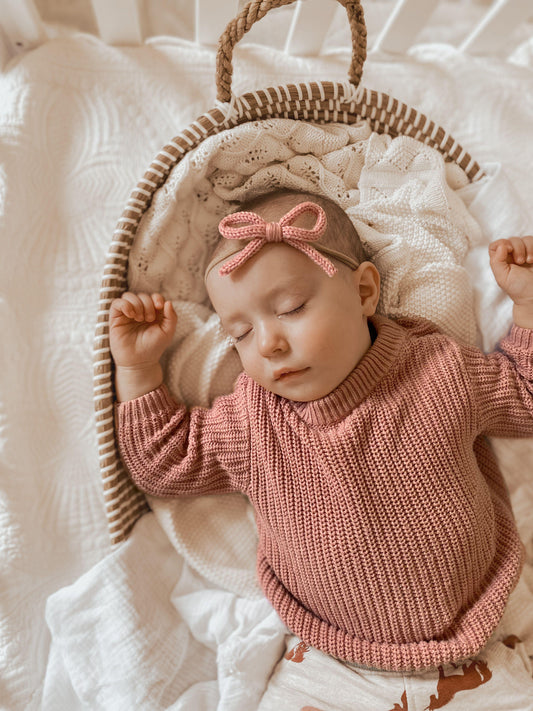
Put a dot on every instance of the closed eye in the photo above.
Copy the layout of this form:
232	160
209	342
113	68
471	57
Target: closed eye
295	311
238	339
292	312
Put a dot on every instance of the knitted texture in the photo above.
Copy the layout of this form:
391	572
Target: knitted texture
386	535
248	225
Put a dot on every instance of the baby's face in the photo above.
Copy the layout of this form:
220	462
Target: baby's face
299	333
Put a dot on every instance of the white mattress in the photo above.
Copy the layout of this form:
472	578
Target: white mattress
79	123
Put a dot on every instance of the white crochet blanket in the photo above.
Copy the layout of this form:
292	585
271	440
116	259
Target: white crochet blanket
404	200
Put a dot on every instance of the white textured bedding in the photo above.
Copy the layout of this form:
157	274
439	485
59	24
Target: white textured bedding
79	123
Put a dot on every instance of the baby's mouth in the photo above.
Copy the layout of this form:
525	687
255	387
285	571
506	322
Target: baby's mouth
287	373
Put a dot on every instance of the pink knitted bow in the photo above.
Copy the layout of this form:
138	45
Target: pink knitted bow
248	225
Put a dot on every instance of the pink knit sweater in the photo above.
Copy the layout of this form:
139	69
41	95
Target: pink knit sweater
386	535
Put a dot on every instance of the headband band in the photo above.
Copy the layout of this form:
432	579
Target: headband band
257	232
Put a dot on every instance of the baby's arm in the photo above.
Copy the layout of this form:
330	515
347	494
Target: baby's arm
170	451
141	327
502	381
167	450
511	261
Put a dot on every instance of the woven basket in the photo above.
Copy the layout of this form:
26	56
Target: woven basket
320	102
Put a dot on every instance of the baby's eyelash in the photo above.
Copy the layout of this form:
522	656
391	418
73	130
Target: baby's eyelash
295	311
238	339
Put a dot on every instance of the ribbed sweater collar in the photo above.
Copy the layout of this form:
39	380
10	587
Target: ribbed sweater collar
374	365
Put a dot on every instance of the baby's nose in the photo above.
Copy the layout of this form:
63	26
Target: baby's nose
272	341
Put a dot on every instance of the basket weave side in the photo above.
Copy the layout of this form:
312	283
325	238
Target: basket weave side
317	102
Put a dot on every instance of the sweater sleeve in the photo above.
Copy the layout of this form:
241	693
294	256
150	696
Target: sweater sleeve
502	385
171	451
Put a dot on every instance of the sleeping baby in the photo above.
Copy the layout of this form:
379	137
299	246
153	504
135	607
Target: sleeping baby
386	537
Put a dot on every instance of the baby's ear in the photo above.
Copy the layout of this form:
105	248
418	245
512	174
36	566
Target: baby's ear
368	281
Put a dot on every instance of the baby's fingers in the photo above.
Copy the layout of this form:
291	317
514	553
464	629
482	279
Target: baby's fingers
528	243
515	250
519	251
149	311
130	305
170	319
499	252
140	307
159	301
123	307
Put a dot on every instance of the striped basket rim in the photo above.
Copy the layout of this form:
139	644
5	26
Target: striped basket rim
317	102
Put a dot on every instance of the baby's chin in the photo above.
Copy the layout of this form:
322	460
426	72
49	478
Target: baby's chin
299	387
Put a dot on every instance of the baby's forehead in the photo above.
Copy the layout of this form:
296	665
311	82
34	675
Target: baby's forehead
284	267
232	309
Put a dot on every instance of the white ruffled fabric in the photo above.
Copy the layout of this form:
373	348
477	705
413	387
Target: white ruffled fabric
143	630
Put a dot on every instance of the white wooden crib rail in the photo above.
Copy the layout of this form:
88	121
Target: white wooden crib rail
121	22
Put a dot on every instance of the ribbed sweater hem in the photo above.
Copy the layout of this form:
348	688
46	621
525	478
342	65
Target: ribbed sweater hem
470	635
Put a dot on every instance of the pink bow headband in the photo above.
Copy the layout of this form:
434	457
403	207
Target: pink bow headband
252	227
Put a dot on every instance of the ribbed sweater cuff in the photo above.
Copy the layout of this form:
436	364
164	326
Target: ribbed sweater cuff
522	337
155	402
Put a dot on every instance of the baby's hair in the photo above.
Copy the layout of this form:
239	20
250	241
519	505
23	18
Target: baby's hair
340	234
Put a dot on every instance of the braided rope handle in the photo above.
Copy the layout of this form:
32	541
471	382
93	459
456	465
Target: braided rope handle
257	9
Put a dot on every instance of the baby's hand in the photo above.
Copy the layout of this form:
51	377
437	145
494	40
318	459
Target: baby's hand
141	327
512	264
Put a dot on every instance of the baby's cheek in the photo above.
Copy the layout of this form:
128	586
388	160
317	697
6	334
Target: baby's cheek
312	334
249	364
